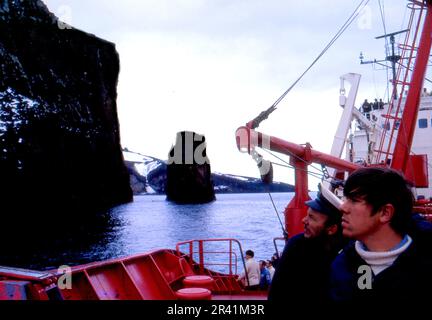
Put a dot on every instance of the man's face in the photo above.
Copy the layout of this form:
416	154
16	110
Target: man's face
357	219
314	223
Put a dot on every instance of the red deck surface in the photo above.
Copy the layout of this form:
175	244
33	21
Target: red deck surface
153	276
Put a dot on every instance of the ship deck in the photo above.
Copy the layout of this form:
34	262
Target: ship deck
245	295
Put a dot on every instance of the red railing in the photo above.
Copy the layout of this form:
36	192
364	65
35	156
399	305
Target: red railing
197	247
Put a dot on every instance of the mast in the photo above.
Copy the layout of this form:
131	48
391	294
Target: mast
407	127
393	58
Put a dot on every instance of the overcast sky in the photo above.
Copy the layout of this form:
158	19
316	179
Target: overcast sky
210	66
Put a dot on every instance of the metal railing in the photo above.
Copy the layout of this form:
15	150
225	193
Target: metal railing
196	247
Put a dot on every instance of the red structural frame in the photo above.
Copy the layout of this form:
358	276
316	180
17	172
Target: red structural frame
303	155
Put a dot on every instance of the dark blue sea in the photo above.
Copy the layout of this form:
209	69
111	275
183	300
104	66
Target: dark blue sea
150	222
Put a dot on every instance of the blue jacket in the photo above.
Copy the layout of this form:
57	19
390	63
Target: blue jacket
303	272
409	278
265	280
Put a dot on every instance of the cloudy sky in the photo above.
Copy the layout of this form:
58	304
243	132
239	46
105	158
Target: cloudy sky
210	66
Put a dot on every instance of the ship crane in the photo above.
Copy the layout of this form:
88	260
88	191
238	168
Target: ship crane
301	156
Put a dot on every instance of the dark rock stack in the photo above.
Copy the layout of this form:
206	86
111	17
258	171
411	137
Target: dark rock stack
60	153
188	171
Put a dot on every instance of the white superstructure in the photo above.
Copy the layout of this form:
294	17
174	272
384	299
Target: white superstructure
365	137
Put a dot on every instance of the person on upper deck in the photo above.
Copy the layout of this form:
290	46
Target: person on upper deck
366	106
304	268
375	105
366	109
389	259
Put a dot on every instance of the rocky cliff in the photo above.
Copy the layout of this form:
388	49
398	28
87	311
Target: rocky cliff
60	151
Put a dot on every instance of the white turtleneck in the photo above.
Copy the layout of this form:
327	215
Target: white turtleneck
380	261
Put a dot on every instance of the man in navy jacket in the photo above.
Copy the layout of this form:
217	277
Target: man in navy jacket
388	261
303	271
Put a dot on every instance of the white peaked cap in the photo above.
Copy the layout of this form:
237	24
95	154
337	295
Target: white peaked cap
330	197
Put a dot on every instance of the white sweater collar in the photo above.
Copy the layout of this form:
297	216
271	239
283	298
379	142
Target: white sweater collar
379	261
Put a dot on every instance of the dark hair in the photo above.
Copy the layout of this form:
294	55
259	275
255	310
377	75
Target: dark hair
334	219
250	253
379	186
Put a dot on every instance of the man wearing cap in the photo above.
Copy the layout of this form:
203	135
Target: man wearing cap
304	269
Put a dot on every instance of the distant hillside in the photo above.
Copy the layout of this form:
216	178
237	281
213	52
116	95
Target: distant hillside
227	183
148	176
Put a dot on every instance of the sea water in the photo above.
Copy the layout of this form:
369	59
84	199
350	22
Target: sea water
150	222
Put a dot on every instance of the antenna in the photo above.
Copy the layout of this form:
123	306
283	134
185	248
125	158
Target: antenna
393	58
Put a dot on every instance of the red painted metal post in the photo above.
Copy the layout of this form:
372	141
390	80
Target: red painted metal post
301	156
408	123
230	257
201	255
296	209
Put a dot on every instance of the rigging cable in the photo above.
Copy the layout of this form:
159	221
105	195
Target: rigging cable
313	174
285	233
381	8
264	115
411	69
287	165
323	177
